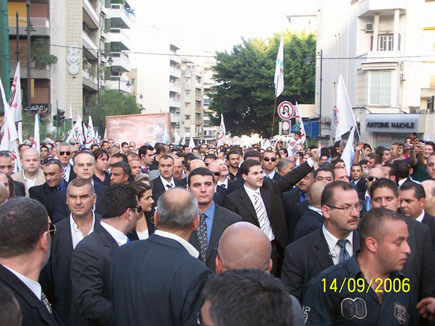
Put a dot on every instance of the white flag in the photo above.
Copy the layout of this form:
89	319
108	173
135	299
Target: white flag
77	131
222	132
346	156
36	141
191	143
300	124
90	134
183	141
279	69
16	106
426	136
177	138
343	116
9	132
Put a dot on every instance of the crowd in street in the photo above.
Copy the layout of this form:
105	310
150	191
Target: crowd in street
121	234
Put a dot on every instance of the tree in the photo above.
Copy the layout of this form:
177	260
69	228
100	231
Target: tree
112	102
245	90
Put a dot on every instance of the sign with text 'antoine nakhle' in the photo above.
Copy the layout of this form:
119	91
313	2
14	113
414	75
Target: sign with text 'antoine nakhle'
392	123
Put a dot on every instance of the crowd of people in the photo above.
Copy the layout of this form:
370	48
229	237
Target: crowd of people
117	234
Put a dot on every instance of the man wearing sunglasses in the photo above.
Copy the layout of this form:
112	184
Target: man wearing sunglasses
22	257
64	153
269	165
91	259
374	175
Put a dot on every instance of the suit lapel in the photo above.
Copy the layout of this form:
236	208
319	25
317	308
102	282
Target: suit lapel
266	196
217	229
321	250
244	199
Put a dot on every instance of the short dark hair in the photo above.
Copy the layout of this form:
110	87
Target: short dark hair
251	153
10	313
400	169
100	152
125	167
248	297
122	156
373	223
232	152
419	192
166	157
22	222
80	182
116	199
144	148
363	161
200	171
212	156
124	143
246	165
160	148
328	167
430	143
337	160
384	183
328	192
6	154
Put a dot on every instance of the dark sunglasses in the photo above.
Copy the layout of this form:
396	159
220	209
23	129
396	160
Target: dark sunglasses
217	174
372	178
138	208
269	159
63	153
51	229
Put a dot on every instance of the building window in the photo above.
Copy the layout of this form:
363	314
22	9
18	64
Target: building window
186	117
386	42
380	87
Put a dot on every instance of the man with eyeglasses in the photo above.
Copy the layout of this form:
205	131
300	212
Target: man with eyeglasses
269	163
220	191
336	241
52	194
214	219
22	257
7	167
64	153
55	277
91	259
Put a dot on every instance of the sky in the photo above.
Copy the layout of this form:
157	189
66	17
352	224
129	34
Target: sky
222	22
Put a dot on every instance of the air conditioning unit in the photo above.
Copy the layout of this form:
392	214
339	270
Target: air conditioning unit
369	28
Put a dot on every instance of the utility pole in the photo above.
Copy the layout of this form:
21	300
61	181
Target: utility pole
320	93
29	56
4	50
17	35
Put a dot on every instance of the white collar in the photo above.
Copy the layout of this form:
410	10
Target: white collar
118	236
271	175
33	286
166	182
223	183
76	234
332	240
315	209
190	249
252	192
421	217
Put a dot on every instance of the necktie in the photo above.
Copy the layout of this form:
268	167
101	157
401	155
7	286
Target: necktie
202	237
367	203
169	186
259	210
46	302
343	255
223	185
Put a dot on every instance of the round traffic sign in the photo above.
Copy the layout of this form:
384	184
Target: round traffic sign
286	110
286	125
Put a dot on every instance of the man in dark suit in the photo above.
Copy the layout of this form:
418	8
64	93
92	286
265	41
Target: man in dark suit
238	183
358	180
312	219
269	163
259	202
52	194
214	219
91	259
158	281
335	242
64	154
412	198
166	180
22	257
55	277
419	266
222	188
7	167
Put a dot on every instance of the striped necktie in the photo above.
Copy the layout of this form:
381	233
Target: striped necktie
202	237
260	210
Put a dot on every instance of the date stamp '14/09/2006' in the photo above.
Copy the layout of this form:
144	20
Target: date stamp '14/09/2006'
360	285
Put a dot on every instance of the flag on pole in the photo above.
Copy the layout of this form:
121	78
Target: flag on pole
346	156
76	133
183	141
191	143
177	138
90	134
279	69
222	132
8	131
343	117
36	141
16	105
300	124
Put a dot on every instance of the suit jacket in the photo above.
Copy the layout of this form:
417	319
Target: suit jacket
19	189
159	189
237	184
361	187
221	192
90	276
156	282
293	212
55	277
53	200
429	220
239	202
309	222
222	219
33	311
306	258
151	227
40	179
419	266
99	190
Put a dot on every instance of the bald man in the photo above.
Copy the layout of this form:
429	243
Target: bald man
373	175
31	174
429	189
312	218
245	246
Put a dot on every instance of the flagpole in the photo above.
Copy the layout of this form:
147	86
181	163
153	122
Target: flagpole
273	117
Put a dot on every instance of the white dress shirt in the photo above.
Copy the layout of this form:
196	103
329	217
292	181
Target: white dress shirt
29	182
271	175
225	183
143	235
118	236
33	286
76	234
165	183
265	223
190	249
421	217
315	209
334	249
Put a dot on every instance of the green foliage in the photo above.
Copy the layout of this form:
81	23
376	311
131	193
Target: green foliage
41	52
112	103
245	90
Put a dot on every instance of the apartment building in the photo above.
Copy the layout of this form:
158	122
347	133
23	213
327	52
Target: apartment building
385	51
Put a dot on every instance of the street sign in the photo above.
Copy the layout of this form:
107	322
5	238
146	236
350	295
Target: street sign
285	127
286	110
